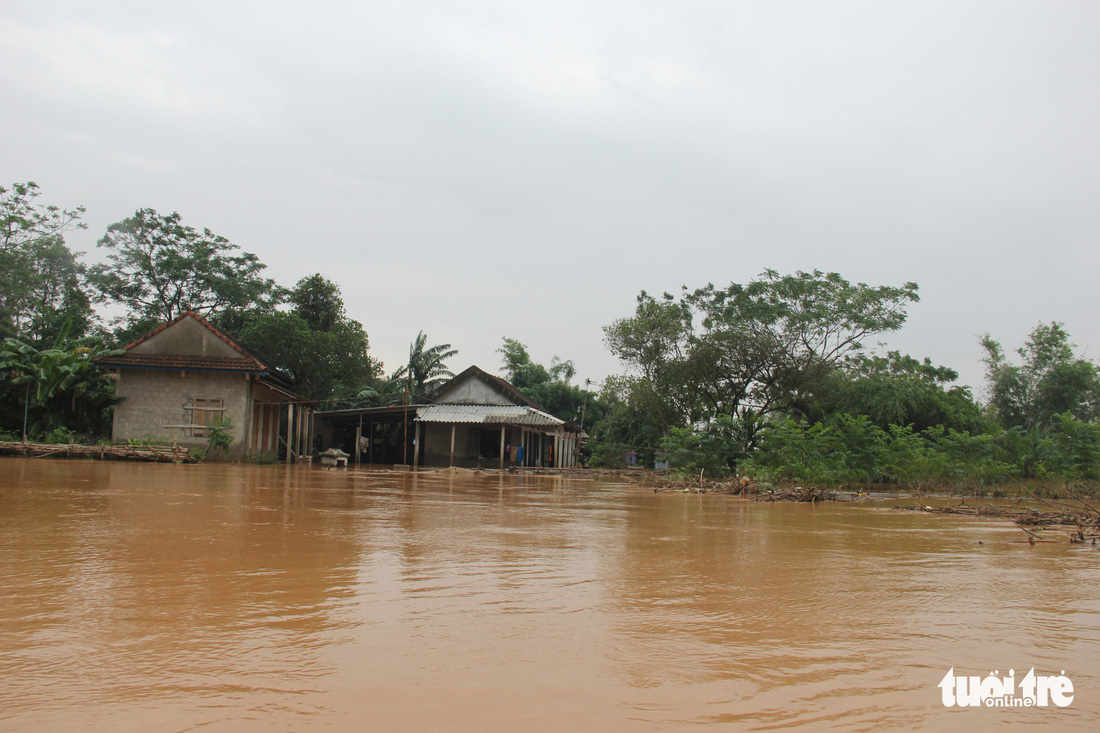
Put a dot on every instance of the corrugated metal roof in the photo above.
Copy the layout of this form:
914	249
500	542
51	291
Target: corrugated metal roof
494	414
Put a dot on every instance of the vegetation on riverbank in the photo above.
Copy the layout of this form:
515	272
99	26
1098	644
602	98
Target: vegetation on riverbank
766	380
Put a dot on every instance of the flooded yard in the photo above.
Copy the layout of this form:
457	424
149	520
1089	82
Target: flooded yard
243	598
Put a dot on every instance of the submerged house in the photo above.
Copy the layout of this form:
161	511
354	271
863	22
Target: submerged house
185	376
474	420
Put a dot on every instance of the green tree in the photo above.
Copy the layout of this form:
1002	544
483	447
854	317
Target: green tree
1050	381
899	390
317	300
159	268
426	368
41	281
55	387
1073	450
325	353
751	350
627	421
848	449
551	387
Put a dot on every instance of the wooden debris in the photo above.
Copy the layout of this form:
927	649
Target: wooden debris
1083	518
741	487
168	453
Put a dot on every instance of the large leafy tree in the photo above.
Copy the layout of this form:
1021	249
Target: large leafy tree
748	350
158	268
1050	380
324	352
41	281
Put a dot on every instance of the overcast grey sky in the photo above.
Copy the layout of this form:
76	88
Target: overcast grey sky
487	169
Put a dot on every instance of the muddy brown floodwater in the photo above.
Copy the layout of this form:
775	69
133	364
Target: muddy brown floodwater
248	598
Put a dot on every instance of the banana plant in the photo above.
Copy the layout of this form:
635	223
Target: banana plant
58	387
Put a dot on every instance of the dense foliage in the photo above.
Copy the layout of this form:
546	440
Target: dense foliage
156	268
1050	381
897	389
41	281
550	387
56	390
748	351
324	352
768	380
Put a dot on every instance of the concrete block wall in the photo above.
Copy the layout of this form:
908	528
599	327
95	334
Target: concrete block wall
154	399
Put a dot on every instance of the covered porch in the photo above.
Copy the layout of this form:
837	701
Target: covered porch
497	436
469	436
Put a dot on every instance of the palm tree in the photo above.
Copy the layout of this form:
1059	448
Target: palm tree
380	392
426	369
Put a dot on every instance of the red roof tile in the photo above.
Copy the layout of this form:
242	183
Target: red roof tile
176	361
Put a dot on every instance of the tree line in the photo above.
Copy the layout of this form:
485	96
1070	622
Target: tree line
769	378
156	268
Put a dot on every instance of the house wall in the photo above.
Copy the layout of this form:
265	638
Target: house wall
436	445
187	337
154	399
472	391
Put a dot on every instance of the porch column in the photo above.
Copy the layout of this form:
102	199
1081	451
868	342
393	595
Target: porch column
358	438
249	431
298	432
289	432
303	444
309	436
263	427
303	439
452	444
416	444
502	428
271	414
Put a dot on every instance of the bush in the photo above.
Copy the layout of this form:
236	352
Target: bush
220	437
266	458
59	436
849	449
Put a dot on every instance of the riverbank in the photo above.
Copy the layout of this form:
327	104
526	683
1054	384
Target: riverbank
1074	515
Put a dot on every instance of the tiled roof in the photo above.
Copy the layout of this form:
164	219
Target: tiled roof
247	364
193	363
